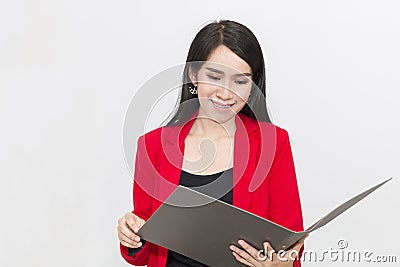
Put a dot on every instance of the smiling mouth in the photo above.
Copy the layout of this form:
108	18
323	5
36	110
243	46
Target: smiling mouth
220	105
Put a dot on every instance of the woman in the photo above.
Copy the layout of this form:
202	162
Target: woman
221	129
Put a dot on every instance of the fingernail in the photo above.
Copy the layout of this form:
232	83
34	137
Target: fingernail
140	244
136	229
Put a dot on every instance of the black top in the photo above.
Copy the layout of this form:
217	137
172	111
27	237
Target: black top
221	188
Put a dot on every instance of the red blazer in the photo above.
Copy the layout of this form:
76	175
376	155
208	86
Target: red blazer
263	174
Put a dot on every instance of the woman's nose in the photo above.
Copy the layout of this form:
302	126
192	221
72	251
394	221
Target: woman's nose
224	92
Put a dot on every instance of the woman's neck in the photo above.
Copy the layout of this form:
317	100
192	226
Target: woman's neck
207	127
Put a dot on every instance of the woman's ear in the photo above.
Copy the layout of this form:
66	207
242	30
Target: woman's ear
192	76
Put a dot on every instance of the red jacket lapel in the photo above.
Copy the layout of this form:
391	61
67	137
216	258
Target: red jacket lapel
244	162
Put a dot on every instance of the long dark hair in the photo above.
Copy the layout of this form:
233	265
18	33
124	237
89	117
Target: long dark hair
243	43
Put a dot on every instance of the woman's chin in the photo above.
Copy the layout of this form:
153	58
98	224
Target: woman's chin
218	116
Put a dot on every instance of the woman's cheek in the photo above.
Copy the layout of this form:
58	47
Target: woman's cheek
242	96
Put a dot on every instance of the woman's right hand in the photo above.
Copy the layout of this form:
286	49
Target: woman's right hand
128	226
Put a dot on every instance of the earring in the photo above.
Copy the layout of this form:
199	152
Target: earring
193	91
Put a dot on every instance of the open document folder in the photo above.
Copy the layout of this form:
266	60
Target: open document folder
202	228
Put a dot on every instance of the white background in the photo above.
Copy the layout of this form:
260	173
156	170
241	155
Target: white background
68	70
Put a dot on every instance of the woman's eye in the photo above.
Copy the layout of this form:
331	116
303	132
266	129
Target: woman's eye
241	82
213	77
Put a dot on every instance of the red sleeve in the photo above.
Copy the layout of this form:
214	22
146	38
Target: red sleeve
142	201
284	200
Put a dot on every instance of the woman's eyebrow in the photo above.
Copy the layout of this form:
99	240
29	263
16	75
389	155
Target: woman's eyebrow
215	70
242	74
221	72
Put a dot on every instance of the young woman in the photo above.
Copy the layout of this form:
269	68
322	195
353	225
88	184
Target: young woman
221	129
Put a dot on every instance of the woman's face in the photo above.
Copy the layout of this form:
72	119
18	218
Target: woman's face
224	83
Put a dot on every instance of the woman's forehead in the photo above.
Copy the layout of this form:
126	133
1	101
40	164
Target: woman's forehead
224	60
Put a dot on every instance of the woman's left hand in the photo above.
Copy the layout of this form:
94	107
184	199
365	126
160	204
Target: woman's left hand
250	256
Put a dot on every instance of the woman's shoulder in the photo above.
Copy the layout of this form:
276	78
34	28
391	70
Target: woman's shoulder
270	131
151	137
267	127
155	137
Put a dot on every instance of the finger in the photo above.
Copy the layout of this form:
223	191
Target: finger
298	246
294	252
244	254
253	252
269	252
240	259
126	241
300	243
292	255
134	222
124	230
129	245
129	220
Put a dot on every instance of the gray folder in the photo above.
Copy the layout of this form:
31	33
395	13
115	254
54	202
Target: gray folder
202	227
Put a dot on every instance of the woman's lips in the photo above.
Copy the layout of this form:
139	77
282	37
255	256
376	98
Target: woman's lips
220	106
